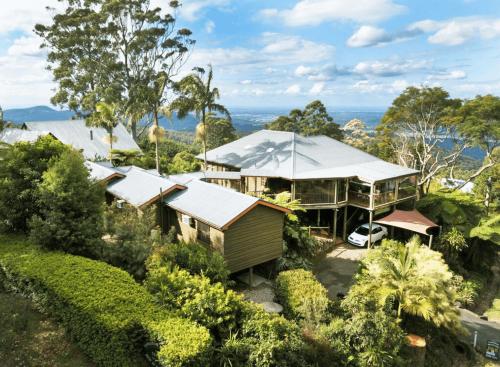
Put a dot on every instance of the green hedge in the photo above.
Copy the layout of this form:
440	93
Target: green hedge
302	296
104	310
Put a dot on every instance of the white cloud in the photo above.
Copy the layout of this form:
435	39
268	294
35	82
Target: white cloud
193	10
294	89
209	26
459	30
314	12
370	86
368	36
26	46
390	67
317	88
246	81
449	75
302	70
295	48
24	14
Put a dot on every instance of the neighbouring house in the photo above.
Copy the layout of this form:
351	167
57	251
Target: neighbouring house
453	183
12	135
326	175
91	141
246	230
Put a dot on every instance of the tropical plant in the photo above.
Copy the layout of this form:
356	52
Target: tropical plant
198	96
488	229
107	116
312	120
413	278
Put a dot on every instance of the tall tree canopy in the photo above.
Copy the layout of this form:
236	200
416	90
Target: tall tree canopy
312	120
198	96
414	128
114	51
220	131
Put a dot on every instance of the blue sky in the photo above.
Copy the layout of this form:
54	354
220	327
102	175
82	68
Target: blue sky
359	53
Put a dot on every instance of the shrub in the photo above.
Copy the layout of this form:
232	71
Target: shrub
196	299
20	173
193	257
102	307
302	296
70	216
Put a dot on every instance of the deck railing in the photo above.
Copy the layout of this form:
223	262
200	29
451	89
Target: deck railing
359	198
315	197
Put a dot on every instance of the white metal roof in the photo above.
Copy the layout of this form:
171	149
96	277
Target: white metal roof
100	172
140	187
292	156
12	136
210	203
91	140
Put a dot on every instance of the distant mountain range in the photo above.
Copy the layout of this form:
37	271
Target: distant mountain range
245	120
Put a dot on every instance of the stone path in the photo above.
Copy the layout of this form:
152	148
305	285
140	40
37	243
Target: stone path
337	269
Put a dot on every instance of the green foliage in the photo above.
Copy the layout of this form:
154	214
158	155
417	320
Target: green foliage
107	116
71	207
313	120
467	290
302	296
101	306
413	278
451	244
183	162
128	242
195	298
488	229
20	173
193	257
219	132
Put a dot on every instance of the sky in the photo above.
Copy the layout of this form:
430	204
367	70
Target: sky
284	54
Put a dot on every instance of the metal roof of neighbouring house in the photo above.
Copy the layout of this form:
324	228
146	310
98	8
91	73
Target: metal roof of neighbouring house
214	205
11	136
91	140
139	187
292	156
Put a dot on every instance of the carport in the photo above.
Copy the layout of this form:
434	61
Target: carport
411	220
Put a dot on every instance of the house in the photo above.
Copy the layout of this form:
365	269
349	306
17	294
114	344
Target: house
91	141
245	229
326	175
11	135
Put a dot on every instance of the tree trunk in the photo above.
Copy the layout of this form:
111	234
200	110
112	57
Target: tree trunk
157	152
111	146
205	132
133	130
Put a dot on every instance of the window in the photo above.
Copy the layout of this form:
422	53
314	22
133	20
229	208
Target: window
203	232
186	219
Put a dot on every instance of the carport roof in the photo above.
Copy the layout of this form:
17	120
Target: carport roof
411	220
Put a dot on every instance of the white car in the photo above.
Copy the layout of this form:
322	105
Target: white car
360	235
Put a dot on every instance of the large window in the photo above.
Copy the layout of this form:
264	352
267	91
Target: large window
315	191
385	192
203	232
341	190
407	187
359	193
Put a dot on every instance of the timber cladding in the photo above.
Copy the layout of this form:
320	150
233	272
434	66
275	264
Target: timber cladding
254	239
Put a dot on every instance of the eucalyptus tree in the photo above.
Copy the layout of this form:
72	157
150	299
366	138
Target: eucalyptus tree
115	51
198	96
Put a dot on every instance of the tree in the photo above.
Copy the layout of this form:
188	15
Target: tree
480	126
114	51
416	126
183	162
413	278
71	207
355	134
313	120
219	132
198	96
488	229
20	172
107	116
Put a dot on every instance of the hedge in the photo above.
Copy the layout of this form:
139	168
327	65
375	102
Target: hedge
104	310
302	296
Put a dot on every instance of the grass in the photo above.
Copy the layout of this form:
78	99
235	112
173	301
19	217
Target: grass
28	338
494	312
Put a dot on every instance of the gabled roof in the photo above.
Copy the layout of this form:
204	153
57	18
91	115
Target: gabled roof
12	136
292	156
92	141
101	172
141	188
213	204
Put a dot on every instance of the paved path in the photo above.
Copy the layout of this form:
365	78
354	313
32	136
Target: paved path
486	329
336	270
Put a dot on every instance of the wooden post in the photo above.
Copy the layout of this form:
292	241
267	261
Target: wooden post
335	226
318	218
370	222
430	241
250	276
344	229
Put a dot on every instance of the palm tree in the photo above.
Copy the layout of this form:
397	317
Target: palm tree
415	278
198	96
107	116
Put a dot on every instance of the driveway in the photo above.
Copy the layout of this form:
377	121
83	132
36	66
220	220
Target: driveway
486	330
337	269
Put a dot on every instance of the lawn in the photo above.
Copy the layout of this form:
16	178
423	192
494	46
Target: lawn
28	338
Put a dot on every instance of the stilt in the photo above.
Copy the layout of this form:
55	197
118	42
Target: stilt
250	276
318	221
344	229
370	223
335	226
392	232
430	241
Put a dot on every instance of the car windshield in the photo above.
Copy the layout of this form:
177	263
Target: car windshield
362	231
